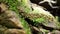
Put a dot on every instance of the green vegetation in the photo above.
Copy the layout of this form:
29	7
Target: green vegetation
23	10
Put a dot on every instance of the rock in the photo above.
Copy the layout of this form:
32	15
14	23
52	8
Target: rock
14	31
2	29
5	30
54	32
12	19
35	30
39	15
9	18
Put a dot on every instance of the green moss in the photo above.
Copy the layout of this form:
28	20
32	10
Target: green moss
25	4
26	26
38	21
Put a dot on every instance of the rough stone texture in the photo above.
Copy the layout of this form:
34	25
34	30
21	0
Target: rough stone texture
10	24
39	13
9	18
14	31
5	30
12	21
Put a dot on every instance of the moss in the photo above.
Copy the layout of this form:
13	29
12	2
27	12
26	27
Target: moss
25	25
38	21
25	5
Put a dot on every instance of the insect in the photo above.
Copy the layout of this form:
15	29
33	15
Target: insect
49	2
